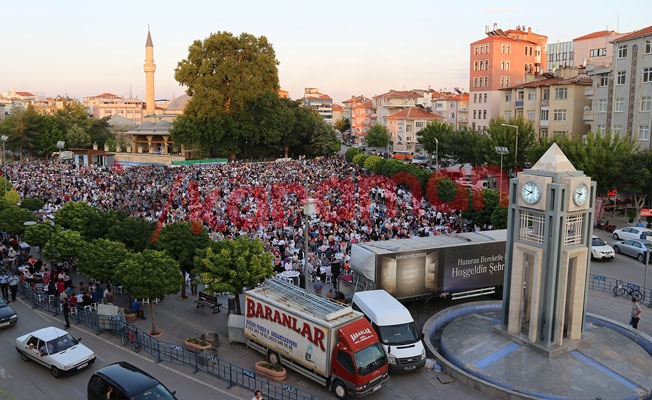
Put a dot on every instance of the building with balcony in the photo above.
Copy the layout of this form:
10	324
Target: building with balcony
622	92
319	102
361	115
554	103
453	107
404	125
109	104
395	100
501	60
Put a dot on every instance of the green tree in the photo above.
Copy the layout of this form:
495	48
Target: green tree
22	126
99	131
75	215
149	274
65	245
99	258
135	233
39	235
432	135
232	265
181	243
507	136
31	203
8	184
324	140
12	219
342	125
223	72
377	136
76	137
351	152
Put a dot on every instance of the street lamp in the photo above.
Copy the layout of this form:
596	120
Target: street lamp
4	159
502	150
308	210
437	152
515	148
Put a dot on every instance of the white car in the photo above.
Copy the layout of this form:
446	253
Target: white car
600	250
631	233
55	349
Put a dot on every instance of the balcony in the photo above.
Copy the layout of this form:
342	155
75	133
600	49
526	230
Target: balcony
543	123
519	103
589	92
588	115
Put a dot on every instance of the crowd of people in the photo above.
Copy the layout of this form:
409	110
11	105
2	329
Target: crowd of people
166	194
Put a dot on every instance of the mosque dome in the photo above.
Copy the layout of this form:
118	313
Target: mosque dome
178	105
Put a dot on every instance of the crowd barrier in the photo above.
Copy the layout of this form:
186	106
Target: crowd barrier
606	284
172	352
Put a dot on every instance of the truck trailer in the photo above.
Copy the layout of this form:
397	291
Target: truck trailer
324	340
456	265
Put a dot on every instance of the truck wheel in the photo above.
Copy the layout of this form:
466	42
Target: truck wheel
339	389
273	358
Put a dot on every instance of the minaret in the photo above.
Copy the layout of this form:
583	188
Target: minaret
150	68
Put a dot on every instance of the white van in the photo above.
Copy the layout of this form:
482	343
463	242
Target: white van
395	328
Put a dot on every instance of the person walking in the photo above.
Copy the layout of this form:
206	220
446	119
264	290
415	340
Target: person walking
4	284
13	287
636	313
66	312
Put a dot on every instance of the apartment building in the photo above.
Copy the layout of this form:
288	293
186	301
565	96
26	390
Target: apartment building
319	102
553	102
453	107
108	104
361	115
404	125
394	101
622	92
501	60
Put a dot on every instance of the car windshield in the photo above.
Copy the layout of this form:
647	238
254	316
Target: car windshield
399	334
158	392
598	242
62	343
370	359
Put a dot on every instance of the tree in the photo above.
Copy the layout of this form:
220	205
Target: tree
342	125
76	136
232	265
377	136
12	219
75	215
181	243
467	146
39	235
431	136
65	245
99	258
223	72
506	136
324	140
150	274
22	126
135	233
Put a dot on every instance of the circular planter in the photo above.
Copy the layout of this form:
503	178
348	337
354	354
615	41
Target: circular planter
212	337
270	373
191	345
207	357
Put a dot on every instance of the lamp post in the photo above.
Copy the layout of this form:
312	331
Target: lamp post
308	210
437	152
60	145
502	150
516	147
4	159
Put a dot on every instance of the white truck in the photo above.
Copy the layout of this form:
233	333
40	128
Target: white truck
323	340
459	265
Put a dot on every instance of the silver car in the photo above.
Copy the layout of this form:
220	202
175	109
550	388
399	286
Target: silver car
633	248
55	349
631	232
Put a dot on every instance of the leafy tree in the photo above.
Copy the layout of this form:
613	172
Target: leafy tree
232	265
31	203
12	219
342	125
377	136
507	136
65	245
499	218
223	72
149	274
22	126
12	196
99	131
371	161
324	140
639	183
303	130
99	258
76	215
77	137
433	135
135	233
99	223
39	235
466	146
483	216
2	185
181	243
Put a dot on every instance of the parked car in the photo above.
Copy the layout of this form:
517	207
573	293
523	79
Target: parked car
631	232
633	248
600	250
8	316
128	382
55	349
420	159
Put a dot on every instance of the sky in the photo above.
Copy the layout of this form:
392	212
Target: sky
344	48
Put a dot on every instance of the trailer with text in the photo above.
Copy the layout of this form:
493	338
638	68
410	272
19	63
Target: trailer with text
459	265
323	340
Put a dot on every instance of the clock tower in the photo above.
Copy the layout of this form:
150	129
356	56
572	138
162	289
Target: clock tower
549	233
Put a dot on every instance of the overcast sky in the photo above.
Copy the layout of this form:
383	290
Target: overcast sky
344	48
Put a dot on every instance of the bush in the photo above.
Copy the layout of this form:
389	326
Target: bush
273	367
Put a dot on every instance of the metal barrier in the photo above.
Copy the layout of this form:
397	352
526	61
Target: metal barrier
174	353
606	284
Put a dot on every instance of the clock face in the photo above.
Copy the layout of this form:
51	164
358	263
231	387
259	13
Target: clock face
530	192
581	194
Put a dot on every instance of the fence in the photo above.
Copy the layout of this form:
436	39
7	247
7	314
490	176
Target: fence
171	352
606	284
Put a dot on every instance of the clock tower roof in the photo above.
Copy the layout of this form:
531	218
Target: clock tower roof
554	160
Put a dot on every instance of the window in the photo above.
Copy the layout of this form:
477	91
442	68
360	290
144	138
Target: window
475	82
561	93
507	81
485	97
647	74
602	105
531	115
484	114
475	65
508	97
618	130
419	124
559	115
502	81
602	130
502	64
643	132
544	133
475	49
531	95
508	115
474	117
622	51
646	102
545	95
507	64
604	80
502	48
648	46
544	115
486	48
486	81
451	104
619	104
475	98
509	48
622	76
452	115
